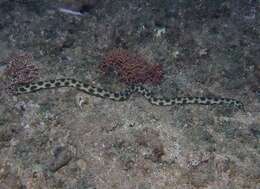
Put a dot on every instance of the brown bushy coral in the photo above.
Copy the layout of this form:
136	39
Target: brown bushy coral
20	69
131	68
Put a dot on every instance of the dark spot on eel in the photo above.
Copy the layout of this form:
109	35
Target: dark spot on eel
85	85
155	99
121	98
202	98
91	90
33	87
167	100
178	98
57	84
22	89
106	95
47	85
40	83
99	90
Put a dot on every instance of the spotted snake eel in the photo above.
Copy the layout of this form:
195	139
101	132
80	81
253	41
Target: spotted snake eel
124	95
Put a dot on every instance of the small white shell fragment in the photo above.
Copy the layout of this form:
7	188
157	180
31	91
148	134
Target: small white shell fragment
81	100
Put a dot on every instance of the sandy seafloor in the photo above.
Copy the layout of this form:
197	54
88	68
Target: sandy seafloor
63	138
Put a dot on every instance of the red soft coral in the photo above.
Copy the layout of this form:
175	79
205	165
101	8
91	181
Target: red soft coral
20	70
131	69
